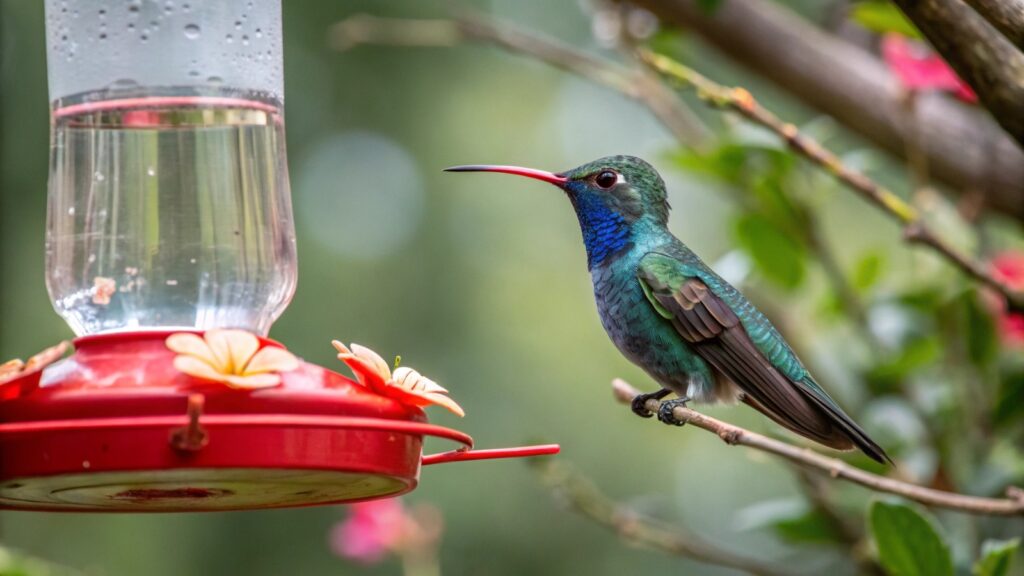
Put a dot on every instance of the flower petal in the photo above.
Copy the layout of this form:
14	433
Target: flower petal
253	381
373	359
11	368
198	368
422	399
271	359
46	357
192	345
234	348
366	365
412	380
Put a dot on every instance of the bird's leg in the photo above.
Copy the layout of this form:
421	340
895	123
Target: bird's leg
639	403
665	411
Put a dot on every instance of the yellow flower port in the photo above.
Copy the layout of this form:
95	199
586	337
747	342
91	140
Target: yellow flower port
233	357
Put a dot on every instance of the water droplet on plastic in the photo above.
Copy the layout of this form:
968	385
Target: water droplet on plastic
186	6
99	177
229	38
191	31
103	35
71	211
193	73
92	258
123	84
238	24
215	80
144	36
133	7
151	171
245	40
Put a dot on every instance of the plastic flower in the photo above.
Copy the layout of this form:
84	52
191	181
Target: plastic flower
918	68
233	357
405	385
16	368
1009	268
377	528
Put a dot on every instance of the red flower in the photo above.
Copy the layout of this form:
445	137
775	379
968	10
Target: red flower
1008	267
920	69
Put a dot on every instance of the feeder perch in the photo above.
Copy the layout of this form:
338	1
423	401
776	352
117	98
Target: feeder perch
170	212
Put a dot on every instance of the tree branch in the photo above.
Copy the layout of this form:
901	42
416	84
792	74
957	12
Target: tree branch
964	147
985	59
915	229
583	496
1006	15
1012	505
634	84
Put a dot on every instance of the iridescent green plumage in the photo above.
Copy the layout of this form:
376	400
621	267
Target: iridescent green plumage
670	314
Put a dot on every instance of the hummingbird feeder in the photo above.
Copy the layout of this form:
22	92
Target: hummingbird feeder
170	251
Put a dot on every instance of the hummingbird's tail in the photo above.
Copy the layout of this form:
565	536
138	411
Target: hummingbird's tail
843	433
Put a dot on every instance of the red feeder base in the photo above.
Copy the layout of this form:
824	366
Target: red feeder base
116	428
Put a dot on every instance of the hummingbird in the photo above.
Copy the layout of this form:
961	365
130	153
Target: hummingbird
674	317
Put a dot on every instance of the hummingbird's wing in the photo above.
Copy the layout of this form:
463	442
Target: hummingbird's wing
771	377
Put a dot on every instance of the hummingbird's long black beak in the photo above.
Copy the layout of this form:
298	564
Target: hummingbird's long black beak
556	179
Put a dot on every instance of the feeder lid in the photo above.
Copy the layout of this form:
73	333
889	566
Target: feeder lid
116	427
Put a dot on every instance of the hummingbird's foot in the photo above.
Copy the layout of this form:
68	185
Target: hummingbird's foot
667	407
639	404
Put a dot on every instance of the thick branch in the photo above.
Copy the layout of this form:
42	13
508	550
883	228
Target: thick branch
915	229
1012	505
985	59
1006	15
630	525
635	84
964	147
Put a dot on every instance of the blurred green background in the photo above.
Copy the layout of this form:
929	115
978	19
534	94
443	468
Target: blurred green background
478	282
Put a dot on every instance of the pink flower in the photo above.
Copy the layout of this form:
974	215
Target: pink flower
371	530
1008	267
919	69
377	528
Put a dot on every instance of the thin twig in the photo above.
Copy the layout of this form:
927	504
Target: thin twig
1012	505
658	98
581	493
914	228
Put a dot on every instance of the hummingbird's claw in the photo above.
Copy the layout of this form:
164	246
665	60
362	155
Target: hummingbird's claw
639	404
665	411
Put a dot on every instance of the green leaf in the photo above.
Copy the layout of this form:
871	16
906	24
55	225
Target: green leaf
776	254
996	556
708	6
1010	399
868	270
908	542
812	527
882	17
980	334
916	354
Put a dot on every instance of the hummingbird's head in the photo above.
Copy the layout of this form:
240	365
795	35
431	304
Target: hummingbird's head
611	196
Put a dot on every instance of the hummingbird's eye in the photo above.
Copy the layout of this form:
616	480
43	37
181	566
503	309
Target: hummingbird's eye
606	179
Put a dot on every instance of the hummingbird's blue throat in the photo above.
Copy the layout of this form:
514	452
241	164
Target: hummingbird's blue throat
605	231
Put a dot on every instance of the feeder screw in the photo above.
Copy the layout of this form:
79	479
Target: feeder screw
192	437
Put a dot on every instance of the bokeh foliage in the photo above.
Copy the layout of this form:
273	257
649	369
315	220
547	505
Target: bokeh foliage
481	284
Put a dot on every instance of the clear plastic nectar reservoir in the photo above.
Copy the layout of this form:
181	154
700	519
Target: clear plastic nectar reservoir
169	203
